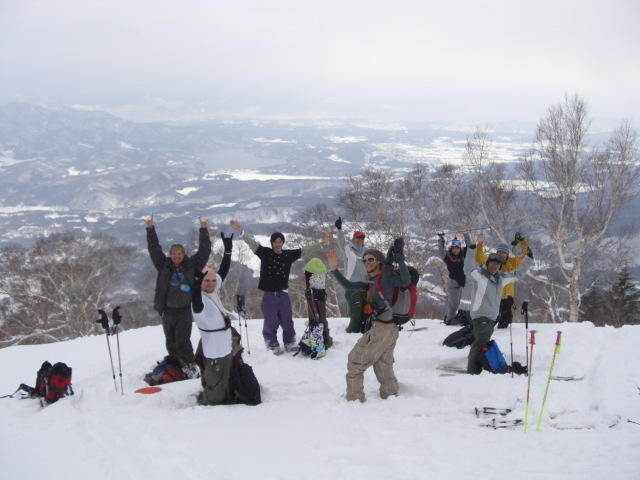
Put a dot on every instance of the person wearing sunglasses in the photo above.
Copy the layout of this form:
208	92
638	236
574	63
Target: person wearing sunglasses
454	260
354	270
376	346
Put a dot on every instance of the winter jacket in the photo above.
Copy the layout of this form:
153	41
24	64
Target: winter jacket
487	288
390	279
455	265
165	268
351	255
512	264
274	267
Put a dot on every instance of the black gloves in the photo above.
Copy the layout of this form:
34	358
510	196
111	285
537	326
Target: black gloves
227	242
338	223
517	238
440	234
396	251
530	253
197	279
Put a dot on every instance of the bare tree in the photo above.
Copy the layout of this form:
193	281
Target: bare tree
576	190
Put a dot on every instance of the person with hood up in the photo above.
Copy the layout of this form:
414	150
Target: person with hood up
376	346
488	284
454	259
353	269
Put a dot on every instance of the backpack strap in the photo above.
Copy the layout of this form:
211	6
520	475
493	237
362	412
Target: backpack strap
227	325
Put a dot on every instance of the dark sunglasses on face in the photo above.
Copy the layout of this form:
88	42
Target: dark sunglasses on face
368	260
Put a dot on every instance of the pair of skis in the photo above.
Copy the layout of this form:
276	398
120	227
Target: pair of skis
556	351
104	321
497	423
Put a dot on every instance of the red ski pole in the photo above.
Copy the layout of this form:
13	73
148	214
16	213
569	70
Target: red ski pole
532	341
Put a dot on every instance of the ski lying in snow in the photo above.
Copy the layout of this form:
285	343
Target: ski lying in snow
592	426
451	369
496	424
569	378
492	411
416	329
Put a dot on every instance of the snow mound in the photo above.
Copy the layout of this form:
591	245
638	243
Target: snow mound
305	425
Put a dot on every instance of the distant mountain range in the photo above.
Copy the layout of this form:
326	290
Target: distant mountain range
69	168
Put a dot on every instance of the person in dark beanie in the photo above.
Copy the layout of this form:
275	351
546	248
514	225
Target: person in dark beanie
353	269
376	346
275	267
454	260
174	283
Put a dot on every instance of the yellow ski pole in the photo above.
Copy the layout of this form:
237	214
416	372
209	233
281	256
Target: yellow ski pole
556	351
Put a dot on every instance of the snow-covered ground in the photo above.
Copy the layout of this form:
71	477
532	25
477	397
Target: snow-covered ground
305	428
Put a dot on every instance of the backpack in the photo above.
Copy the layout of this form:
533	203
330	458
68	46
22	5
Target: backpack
460	338
492	359
405	297
52	383
167	371
312	342
243	384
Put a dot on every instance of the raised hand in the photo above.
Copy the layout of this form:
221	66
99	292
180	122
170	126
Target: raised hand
203	223
236	226
227	242
149	222
338	223
480	238
332	259
326	240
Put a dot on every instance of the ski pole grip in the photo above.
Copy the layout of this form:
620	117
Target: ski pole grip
532	340
558	338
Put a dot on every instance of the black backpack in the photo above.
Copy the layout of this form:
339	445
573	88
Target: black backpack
243	384
460	338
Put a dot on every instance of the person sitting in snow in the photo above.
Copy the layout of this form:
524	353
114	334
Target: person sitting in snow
375	347
488	284
275	266
214	323
172	298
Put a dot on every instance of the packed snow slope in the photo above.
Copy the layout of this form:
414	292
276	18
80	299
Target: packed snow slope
306	429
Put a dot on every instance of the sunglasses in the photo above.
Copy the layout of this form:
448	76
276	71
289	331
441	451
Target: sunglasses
369	260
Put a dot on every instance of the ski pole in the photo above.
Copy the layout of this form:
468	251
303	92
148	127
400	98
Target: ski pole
104	321
529	369
117	318
556	351
525	312
511	343
240	303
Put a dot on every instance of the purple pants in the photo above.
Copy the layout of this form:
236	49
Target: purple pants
276	309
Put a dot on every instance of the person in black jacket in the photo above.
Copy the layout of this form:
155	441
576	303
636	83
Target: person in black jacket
173	290
454	259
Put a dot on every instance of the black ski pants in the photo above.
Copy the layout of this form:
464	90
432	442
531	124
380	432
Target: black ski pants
176	323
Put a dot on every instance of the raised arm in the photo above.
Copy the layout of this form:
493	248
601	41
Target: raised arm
204	247
332	262
225	264
314	247
524	249
158	258
248	239
441	251
480	257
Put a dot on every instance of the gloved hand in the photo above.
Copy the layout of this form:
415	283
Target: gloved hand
197	279
398	249
227	242
390	256
530	253
338	223
517	238
440	234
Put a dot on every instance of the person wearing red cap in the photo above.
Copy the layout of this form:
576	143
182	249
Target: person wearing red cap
351	254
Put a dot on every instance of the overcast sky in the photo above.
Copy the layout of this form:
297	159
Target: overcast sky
467	61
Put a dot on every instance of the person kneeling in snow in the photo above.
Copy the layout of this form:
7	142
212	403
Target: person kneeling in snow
488	284
375	347
214	323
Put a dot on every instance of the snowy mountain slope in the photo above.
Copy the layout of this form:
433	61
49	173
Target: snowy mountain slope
306	428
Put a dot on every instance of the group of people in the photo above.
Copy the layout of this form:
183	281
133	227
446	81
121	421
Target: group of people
186	291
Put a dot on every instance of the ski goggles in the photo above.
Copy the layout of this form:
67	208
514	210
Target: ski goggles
456	243
369	260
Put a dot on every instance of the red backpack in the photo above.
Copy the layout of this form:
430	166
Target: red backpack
404	298
52	383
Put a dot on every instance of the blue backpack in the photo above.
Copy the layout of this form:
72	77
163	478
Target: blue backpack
492	359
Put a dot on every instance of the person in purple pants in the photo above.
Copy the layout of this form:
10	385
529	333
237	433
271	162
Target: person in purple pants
275	266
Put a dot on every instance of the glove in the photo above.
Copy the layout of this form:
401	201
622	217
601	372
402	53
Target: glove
227	242
440	234
530	253
398	247
197	279
517	238
338	223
